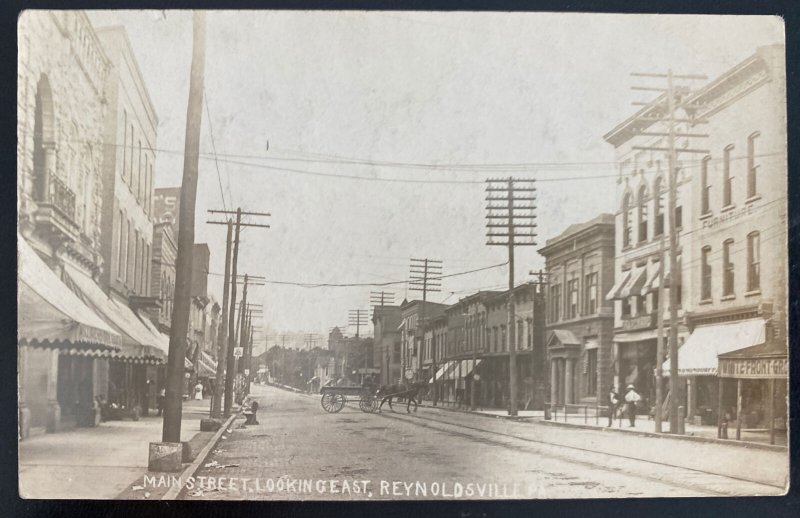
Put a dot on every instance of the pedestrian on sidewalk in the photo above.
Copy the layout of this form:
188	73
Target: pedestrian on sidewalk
161	397
613	404
632	398
198	391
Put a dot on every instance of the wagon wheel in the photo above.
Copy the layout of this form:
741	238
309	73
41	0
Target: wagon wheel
368	404
332	403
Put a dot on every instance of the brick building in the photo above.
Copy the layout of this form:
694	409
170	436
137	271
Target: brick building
580	267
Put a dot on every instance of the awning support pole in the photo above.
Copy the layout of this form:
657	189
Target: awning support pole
720	415
772	411
738	409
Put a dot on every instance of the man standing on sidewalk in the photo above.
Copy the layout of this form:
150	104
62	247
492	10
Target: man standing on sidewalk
631	399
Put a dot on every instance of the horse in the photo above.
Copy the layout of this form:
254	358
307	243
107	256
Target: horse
408	392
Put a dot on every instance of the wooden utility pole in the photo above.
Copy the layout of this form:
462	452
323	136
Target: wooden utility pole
173	401
673	102
231	316
426	275
222	337
660	338
508	192
230	360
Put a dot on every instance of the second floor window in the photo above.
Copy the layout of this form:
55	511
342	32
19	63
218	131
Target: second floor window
727	265
555	302
753	262
705	273
590	298
727	177
705	204
752	165
572	300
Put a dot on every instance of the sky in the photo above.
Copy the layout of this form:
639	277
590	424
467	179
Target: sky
298	103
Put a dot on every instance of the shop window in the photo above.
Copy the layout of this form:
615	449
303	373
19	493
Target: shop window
705	273
626	307
753	261
591	372
727	265
752	165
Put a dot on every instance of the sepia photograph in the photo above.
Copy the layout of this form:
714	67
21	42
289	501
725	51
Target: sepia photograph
293	255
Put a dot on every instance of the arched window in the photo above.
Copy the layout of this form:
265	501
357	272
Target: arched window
627	216
658	197
643	213
44	150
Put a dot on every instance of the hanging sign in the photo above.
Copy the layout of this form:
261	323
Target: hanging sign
409	374
238	351
247	372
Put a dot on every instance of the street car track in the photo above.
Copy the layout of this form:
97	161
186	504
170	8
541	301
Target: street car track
605	461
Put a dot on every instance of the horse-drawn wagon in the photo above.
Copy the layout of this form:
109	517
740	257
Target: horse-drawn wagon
334	398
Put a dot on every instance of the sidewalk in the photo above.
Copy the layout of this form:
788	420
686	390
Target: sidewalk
643	425
96	463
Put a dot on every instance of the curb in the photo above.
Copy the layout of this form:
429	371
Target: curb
694	438
175	490
641	433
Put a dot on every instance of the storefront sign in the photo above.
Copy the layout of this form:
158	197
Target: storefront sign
640	322
728	217
754	368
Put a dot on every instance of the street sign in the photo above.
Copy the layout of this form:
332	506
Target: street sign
409	374
238	352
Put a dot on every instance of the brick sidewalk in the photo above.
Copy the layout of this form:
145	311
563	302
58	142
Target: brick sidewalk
96	463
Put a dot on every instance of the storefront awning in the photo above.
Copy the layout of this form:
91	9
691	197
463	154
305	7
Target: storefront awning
466	367
443	370
639	336
698	355
206	366
138	344
49	313
613	293
634	284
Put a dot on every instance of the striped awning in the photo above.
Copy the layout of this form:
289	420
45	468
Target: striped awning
49	314
613	293
139	343
206	366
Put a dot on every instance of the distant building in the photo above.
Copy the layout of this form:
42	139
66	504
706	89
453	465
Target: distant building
385	321
413	315
162	282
